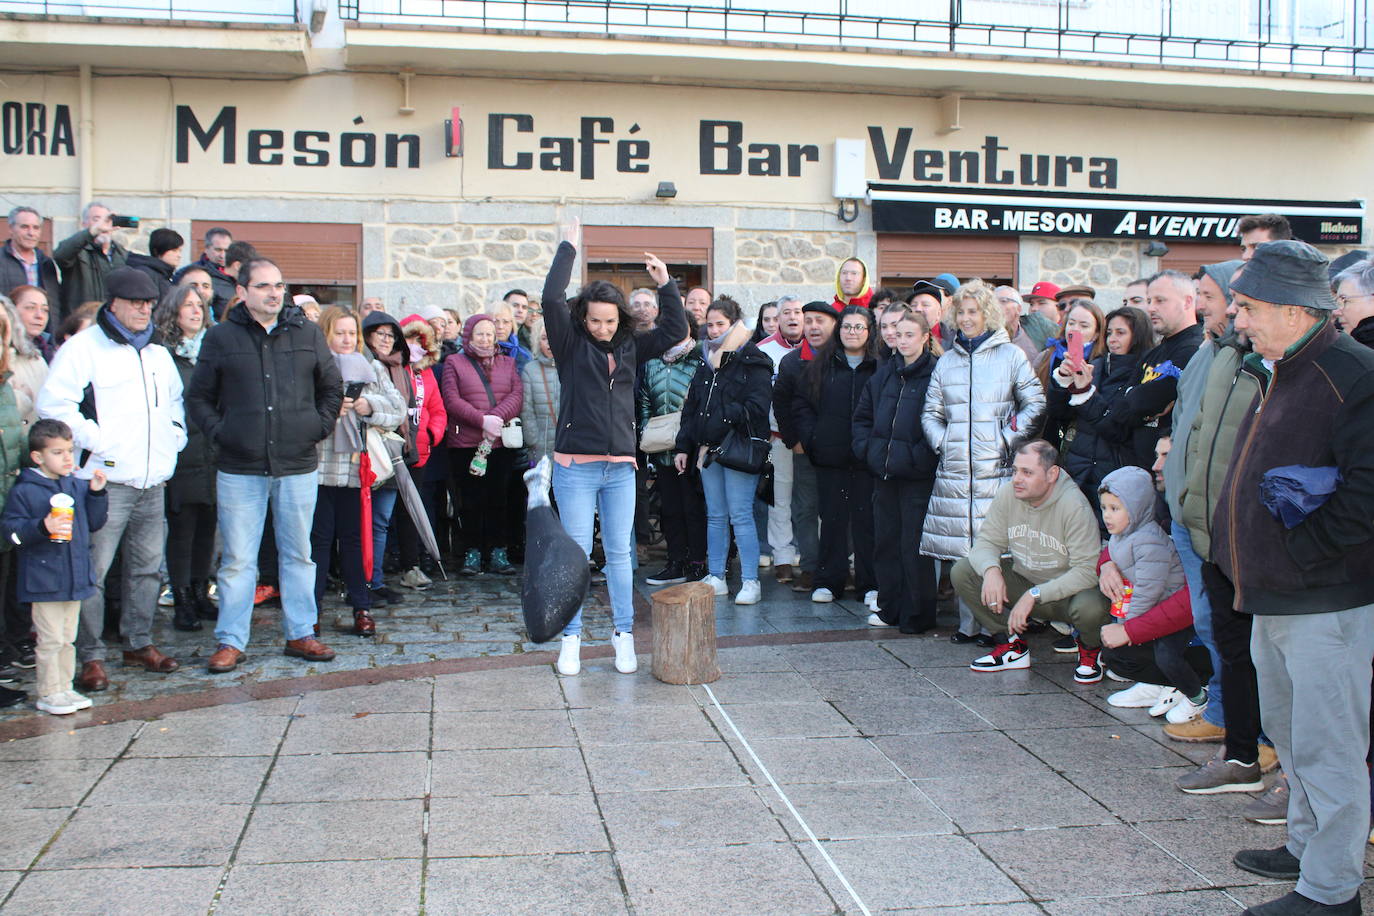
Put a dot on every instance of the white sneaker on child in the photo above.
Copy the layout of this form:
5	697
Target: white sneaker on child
1167	701
625	660
78	700
1186	710
570	656
55	704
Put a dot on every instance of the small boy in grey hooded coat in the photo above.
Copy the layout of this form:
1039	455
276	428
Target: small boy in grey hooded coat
1146	556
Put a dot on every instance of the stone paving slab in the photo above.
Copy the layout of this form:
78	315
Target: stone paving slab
511	790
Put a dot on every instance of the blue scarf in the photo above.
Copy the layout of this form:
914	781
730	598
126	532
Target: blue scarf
189	348
971	344
137	340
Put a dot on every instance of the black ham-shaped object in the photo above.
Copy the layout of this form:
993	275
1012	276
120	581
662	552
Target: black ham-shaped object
556	570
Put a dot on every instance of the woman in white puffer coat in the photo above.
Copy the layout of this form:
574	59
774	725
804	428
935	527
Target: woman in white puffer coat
982	401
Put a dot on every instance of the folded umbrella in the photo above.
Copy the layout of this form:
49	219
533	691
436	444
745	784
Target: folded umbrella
366	478
415	508
1295	491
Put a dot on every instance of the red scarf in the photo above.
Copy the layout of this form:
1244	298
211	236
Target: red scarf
862	299
807	353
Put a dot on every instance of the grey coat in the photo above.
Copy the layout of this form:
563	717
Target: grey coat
1145	554
539	410
978	410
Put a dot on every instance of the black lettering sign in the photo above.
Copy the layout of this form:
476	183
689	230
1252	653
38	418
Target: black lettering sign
985	165
226	123
24	130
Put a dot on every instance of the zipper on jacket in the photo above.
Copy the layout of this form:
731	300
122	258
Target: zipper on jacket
969	448
1239	466
148	448
887	459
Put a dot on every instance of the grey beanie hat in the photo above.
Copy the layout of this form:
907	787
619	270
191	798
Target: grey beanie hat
1287	272
1222	273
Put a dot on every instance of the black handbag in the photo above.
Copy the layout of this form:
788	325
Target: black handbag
740	450
764	490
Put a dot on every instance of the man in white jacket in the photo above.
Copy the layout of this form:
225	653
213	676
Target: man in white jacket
121	395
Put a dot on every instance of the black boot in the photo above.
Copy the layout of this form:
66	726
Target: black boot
184	610
200	593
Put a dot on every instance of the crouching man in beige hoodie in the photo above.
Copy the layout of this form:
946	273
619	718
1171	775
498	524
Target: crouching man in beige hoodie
1044	521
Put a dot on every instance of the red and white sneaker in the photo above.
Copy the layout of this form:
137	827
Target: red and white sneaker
1008	655
1089	670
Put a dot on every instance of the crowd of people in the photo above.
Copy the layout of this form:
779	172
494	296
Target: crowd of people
1179	486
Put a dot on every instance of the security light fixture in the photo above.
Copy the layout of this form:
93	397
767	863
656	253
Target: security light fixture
666	189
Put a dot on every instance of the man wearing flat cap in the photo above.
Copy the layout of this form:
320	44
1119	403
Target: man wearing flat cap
121	395
1310	588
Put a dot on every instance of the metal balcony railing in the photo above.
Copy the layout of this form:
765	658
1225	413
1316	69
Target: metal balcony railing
271	11
1324	37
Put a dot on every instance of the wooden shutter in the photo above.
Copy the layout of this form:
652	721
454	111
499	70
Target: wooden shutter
1187	257
920	257
44	234
318	254
627	244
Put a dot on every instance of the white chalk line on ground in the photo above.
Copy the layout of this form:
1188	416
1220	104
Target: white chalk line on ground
788	802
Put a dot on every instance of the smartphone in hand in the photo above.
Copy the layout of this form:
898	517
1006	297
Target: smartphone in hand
1074	356
354	390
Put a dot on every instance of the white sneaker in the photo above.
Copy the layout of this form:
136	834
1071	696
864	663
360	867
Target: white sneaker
164	597
1186	710
415	578
1005	657
822	596
570	656
1167	701
717	583
749	592
1062	628
765	561
78	700
625	660
875	621
56	704
871	600
1141	696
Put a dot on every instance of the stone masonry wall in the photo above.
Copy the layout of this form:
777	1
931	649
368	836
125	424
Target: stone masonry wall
471	265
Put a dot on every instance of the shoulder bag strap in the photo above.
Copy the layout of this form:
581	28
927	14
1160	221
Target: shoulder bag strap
483	376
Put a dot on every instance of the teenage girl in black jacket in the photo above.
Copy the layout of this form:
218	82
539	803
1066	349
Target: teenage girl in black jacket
823	407
889	440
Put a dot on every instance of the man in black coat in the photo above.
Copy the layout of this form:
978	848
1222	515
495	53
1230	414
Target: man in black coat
266	390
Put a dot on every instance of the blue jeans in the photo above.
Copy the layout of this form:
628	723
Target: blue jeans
1202	620
383	504
730	502
243	501
583	490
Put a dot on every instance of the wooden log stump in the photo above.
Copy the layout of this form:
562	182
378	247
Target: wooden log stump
684	619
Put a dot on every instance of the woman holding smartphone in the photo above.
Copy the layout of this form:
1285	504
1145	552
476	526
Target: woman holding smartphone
370	399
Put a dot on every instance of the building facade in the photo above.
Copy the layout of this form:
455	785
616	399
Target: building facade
428	162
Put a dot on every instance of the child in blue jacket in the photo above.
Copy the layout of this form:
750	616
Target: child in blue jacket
54	556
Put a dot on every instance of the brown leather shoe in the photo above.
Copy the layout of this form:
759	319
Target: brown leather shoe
92	677
225	659
308	648
363	624
783	572
151	660
802	583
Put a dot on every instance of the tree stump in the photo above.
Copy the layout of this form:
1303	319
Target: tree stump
685	634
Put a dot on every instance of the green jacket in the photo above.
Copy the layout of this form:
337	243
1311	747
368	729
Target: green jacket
1226	399
663	389
84	267
14	438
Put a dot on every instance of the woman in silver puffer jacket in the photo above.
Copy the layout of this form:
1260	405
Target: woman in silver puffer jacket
982	399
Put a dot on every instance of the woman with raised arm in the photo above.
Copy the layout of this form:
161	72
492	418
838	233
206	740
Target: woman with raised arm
597	353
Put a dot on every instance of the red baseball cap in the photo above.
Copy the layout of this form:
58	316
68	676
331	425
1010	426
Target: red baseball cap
1044	289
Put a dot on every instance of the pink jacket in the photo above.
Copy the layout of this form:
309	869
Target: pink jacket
466	401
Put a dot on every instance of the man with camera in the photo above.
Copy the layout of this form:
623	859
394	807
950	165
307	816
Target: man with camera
88	255
266	390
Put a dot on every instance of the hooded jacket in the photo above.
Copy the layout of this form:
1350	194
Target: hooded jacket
663	389
887	424
1144	553
157	269
123	403
398	367
539	411
1141	415
979	408
825	418
865	294
265	398
339	468
428	418
12	274
52	570
1054	546
729	391
465	396
596	410
1315	408
1089	457
1224	403
84	267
